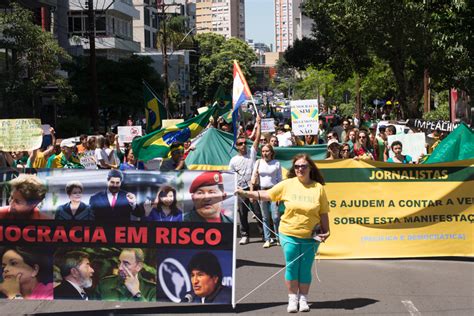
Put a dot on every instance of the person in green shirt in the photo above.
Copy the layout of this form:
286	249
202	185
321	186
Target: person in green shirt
128	285
66	159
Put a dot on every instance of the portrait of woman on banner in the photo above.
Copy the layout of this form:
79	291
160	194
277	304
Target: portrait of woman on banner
26	274
75	209
164	207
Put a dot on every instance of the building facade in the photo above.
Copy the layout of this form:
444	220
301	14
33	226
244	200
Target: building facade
113	27
146	28
225	17
290	23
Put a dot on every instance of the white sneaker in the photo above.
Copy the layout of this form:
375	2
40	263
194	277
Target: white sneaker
304	307
267	244
244	240
292	304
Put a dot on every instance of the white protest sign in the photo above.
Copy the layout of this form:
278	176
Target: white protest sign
412	144
128	133
268	125
46	128
88	161
304	117
401	129
153	164
20	134
173	122
202	109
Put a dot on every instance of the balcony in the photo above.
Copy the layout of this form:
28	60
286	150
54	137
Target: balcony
107	42
123	6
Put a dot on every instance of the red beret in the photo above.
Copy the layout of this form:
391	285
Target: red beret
205	179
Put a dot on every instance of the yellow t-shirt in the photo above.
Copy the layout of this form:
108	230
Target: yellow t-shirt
40	161
303	206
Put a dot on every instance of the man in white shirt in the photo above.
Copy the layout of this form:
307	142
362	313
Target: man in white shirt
242	164
77	276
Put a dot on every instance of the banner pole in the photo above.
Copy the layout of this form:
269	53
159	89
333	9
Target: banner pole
234	249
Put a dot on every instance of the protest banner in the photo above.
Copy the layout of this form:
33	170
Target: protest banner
128	133
428	126
268	125
413	144
304	117
20	134
378	211
161	245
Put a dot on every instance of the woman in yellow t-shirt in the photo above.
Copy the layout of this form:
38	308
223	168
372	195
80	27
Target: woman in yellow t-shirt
306	208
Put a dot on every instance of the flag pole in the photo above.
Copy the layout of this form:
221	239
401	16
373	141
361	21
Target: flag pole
254	105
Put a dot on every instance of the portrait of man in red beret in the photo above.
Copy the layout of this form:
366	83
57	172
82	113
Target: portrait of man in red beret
207	193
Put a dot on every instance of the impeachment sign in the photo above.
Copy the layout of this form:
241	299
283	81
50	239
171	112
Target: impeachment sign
382	211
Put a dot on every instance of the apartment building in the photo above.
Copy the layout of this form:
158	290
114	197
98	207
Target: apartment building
225	17
290	23
113	27
146	28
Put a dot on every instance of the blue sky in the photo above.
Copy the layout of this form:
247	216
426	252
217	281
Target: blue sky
259	21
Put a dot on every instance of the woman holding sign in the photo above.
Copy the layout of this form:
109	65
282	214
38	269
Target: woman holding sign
306	211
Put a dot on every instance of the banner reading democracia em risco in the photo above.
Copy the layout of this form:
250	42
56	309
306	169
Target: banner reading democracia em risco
118	236
381	210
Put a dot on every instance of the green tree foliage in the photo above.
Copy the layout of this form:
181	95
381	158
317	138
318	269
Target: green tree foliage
441	112
36	60
120	87
410	36
285	79
178	36
216	63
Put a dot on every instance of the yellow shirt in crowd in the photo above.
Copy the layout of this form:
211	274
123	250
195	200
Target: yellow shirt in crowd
304	205
40	161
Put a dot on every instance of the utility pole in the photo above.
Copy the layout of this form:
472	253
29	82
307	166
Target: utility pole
426	91
94	105
164	51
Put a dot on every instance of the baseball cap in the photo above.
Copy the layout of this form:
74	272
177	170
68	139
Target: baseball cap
68	143
332	141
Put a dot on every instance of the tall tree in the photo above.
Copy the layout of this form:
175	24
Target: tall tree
410	36
120	88
216	63
36	59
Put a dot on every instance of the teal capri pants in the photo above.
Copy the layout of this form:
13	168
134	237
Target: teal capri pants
293	247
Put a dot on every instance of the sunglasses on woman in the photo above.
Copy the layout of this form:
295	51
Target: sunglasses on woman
302	167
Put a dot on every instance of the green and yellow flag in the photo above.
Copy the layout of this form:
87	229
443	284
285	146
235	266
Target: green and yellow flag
154	109
157	144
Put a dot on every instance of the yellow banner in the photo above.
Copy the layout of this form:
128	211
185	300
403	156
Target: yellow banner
20	134
381	210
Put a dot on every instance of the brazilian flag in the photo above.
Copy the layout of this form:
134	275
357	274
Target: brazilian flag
157	143
154	109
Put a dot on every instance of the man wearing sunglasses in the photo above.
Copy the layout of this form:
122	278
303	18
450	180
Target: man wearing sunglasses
242	164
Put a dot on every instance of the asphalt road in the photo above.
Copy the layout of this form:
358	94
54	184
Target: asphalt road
362	287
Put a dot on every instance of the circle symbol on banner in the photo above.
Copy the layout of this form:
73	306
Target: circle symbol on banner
134	131
174	279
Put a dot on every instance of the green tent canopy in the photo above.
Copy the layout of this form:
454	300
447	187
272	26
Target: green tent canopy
214	151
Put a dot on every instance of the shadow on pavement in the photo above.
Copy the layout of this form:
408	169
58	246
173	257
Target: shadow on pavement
241	263
350	303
